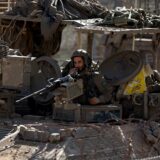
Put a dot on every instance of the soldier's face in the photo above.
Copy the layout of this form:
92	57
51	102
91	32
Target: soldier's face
78	63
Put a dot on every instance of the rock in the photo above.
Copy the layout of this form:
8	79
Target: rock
151	139
152	131
43	136
64	133
34	134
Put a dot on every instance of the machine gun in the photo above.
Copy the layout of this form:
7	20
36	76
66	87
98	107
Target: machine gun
52	85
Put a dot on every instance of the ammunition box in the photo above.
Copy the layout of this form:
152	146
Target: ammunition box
120	21
66	112
89	112
72	90
83	113
16	72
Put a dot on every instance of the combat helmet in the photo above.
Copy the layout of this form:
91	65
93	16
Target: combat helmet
82	53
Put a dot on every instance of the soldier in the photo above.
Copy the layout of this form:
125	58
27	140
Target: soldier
81	63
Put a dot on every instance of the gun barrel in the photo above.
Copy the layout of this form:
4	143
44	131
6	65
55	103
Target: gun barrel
31	95
50	86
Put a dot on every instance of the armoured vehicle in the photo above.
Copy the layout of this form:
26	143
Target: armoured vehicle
62	131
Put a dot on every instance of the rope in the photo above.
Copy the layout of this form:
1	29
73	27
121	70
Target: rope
20	32
10	32
12	20
63	9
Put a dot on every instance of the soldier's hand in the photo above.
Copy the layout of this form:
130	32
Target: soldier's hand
94	101
73	71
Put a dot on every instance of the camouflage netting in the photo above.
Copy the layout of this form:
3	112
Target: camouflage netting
45	39
130	18
70	9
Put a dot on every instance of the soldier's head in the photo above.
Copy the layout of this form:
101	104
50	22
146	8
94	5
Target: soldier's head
81	59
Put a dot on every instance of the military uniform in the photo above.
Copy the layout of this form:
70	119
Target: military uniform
90	90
